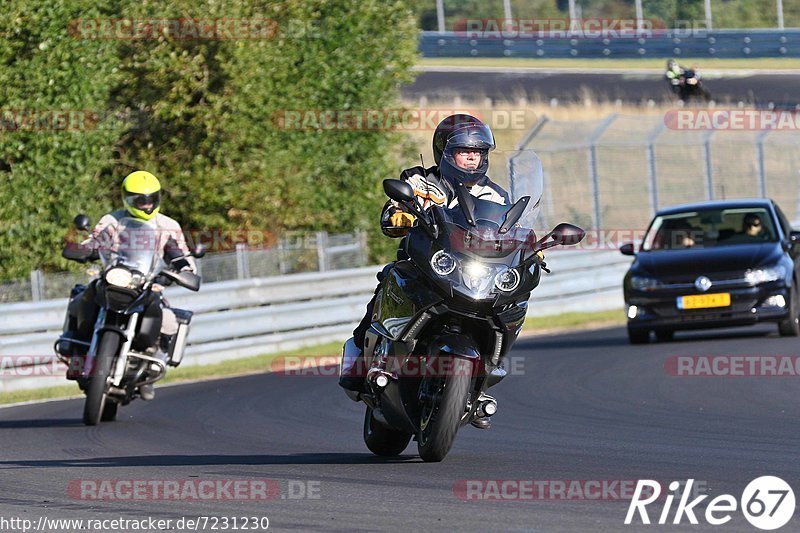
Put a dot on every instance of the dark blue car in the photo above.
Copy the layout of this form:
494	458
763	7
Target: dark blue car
714	264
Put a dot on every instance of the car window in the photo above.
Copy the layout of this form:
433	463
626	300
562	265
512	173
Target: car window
784	222
710	227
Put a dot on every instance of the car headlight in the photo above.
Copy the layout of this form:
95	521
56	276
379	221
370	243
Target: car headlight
443	263
477	276
119	277
507	280
763	275
642	283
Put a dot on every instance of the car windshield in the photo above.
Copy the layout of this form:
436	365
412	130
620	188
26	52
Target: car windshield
708	228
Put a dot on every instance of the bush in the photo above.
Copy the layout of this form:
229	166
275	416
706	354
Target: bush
200	114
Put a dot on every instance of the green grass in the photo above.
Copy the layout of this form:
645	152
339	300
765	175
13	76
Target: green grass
262	363
606	64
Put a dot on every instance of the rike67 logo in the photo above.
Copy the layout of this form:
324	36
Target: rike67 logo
767	503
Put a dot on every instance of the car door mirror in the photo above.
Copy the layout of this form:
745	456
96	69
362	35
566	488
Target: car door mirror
627	249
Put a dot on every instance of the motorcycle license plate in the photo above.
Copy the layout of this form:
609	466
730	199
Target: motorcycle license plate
704	301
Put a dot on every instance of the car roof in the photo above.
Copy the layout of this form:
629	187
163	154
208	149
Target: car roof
717	204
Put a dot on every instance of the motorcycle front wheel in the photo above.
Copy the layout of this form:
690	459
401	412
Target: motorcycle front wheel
97	387
441	416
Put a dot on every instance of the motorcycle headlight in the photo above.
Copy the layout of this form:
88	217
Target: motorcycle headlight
642	283
119	277
763	275
443	263
507	280
477	276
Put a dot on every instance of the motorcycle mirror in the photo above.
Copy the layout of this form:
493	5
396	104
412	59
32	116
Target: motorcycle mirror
398	190
81	222
567	234
562	235
199	250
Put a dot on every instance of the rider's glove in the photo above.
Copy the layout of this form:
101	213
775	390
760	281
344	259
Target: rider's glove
402	219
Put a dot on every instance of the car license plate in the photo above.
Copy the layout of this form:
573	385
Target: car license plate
704	301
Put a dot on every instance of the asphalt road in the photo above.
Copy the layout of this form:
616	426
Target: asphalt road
585	406
760	89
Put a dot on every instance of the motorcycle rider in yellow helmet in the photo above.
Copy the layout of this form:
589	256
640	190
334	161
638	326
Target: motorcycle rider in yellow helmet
141	198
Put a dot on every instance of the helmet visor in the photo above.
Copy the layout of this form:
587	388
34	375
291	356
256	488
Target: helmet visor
468	148
145	202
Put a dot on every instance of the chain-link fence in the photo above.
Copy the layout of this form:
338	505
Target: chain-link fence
298	253
615	172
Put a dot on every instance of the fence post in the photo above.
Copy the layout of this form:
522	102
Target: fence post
362	244
594	178
780	14
322	244
652	173
37	285
440	15
242	264
282	255
709	168
762	172
708	15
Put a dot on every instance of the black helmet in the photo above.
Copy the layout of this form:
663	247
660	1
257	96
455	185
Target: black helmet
462	131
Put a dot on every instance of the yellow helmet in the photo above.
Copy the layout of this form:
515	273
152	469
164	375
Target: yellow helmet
141	194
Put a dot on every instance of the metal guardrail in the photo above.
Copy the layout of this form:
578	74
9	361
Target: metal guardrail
672	43
241	318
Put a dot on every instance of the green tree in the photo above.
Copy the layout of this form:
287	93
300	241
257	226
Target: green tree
202	117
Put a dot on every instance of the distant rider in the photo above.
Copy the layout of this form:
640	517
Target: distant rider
141	197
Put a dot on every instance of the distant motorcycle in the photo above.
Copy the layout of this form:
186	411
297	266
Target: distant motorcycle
691	87
121	356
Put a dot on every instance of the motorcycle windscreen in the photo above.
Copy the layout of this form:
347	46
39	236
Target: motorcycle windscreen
486	237
526	178
133	243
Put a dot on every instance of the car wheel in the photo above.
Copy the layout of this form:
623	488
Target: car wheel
638	336
791	326
664	335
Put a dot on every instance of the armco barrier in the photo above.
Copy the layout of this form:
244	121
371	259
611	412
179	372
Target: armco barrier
236	319
674	43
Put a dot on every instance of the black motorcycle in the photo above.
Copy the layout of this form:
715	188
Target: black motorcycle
445	318
691	87
120	352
